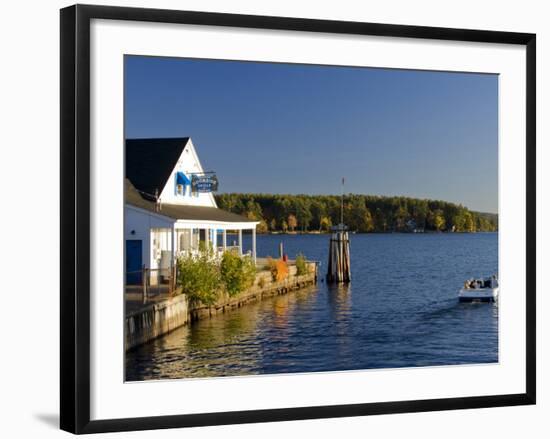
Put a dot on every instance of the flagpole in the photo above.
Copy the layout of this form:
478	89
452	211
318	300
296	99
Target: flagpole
342	204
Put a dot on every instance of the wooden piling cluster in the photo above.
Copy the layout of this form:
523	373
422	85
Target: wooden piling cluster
338	256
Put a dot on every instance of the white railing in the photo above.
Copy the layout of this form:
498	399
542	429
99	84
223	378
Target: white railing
229	248
216	254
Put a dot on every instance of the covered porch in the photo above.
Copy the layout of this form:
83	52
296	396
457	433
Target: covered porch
197	227
192	237
185	238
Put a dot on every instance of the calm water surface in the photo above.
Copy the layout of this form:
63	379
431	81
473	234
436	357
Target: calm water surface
401	310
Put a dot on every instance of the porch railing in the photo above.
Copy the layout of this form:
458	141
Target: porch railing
218	251
148	284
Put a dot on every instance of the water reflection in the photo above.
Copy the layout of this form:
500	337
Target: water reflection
400	310
225	345
339	300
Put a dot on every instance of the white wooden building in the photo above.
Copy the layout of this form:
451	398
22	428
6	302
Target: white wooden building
170	208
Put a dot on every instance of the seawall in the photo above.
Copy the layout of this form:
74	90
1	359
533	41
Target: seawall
155	320
159	318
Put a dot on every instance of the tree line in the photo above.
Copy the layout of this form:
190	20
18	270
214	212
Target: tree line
361	213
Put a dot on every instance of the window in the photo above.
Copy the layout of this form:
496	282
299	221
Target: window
182	181
185	239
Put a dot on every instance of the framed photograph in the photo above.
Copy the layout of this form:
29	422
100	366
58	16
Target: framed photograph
268	218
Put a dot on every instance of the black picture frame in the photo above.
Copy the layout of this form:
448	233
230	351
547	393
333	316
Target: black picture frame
75	217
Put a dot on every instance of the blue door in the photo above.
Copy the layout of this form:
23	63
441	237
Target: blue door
133	261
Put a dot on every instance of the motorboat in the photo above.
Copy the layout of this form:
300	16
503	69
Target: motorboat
479	290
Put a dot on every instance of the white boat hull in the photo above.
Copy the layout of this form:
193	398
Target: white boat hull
478	294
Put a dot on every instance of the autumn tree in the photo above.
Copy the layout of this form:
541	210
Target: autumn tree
292	222
368	222
438	220
469	225
325	224
253	210
284	226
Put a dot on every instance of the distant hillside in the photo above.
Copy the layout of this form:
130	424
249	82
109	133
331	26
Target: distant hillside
362	213
488	216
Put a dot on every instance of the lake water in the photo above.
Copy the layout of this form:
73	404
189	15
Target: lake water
400	310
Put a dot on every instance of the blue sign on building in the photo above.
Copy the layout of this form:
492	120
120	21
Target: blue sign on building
204	183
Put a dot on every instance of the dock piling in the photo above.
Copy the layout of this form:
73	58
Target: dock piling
339	264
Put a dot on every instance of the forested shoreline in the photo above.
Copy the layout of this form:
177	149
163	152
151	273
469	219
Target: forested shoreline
362	213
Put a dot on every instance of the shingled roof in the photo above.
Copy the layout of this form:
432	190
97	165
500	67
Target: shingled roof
182	212
149	162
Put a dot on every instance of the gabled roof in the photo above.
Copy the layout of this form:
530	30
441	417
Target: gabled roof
149	162
134	198
181	212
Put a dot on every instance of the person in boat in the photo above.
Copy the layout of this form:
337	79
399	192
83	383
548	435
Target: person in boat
477	284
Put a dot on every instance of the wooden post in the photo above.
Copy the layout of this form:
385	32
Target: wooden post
173	245
281	250
144	283
224	240
173	280
339	267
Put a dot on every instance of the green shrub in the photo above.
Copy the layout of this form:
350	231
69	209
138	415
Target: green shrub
206	249
199	278
237	273
301	264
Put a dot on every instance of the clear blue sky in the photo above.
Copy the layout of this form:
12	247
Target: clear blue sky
284	128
